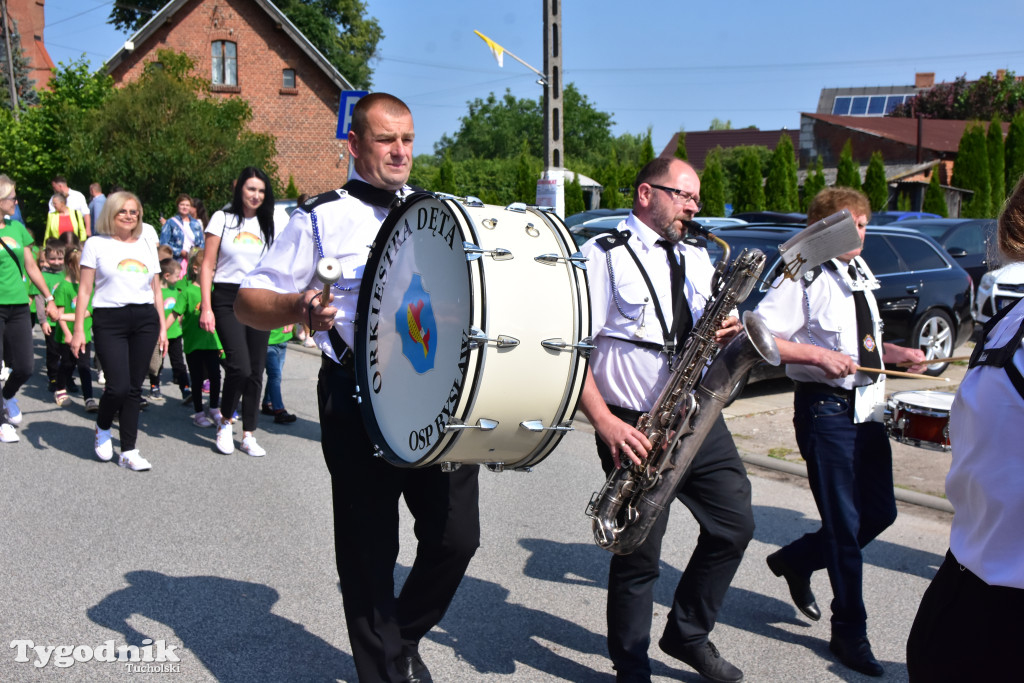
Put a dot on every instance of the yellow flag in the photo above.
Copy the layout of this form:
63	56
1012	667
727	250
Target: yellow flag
497	50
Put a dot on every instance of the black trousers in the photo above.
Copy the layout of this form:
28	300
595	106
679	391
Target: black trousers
966	630
16	345
67	366
381	627
204	364
245	355
124	339
53	352
717	492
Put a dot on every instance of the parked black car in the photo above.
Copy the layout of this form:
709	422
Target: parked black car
925	297
972	242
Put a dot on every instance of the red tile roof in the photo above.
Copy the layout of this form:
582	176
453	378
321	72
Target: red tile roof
941	135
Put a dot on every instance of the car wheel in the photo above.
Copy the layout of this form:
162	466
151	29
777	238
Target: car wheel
933	334
737	388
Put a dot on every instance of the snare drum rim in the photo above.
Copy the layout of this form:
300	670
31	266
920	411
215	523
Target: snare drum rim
377	249
916	408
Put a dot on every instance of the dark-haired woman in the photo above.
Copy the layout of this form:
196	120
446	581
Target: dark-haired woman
236	238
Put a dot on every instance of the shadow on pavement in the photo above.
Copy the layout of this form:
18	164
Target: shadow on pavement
227	624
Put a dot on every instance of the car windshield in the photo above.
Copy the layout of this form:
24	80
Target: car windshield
933	230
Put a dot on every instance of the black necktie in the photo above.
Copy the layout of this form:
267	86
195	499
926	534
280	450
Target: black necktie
682	319
867	344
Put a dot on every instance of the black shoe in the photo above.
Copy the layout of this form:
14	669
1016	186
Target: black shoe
799	586
52	386
284	417
267	409
855	653
705	659
629	677
186	396
414	670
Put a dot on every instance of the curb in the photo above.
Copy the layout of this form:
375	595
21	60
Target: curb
903	495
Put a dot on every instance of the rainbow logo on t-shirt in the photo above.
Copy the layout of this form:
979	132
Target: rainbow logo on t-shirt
11	242
169	303
130	265
247	238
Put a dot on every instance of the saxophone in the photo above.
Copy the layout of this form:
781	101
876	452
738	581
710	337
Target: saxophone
701	378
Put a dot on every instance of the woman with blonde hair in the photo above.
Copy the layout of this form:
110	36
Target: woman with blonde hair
121	262
16	262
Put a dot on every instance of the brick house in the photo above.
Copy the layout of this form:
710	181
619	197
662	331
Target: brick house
250	49
29	17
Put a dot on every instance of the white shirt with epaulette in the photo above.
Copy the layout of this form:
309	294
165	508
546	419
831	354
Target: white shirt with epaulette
629	375
345	229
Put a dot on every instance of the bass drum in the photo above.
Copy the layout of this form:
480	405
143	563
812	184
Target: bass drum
472	333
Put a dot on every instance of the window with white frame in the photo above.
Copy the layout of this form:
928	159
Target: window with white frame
225	62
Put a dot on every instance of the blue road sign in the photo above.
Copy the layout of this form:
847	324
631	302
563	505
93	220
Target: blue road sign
348	101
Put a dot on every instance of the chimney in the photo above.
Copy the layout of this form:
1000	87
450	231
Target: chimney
1000	74
924	80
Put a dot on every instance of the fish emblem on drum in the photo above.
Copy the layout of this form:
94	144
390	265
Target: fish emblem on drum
414	322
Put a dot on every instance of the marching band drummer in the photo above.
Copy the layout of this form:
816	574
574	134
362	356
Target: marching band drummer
969	626
825	325
633	312
384	631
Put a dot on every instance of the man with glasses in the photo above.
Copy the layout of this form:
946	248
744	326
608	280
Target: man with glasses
649	283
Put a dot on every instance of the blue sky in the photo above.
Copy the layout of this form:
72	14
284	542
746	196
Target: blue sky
667	65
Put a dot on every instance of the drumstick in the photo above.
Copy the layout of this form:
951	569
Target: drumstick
328	270
897	373
932	361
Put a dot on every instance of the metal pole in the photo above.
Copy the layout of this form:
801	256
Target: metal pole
553	147
10	57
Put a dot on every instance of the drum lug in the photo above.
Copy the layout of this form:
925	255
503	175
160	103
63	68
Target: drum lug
518	207
450	466
478	337
577	259
584	347
538	426
483	424
495	466
473	252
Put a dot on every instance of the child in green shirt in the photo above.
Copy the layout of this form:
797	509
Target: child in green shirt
170	274
51	265
202	348
65	298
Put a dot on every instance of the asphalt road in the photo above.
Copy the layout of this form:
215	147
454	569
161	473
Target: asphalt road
230	560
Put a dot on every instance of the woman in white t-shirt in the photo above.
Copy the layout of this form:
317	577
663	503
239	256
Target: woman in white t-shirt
236	238
968	626
121	263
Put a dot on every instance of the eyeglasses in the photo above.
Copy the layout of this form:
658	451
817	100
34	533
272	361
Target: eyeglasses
680	195
128	212
12	198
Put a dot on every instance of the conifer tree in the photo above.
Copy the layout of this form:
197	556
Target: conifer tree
792	183
777	194
847	171
875	185
996	164
24	86
971	172
574	196
748	194
813	184
446	175
681	146
1014	152
646	150
934	197
712	184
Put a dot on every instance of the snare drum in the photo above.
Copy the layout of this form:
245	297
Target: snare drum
472	333
920	418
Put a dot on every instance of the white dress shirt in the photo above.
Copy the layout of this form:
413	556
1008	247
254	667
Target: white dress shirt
986	480
821	313
629	375
346	227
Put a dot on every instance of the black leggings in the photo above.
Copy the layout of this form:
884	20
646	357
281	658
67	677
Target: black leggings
67	366
124	339
16	345
204	364
245	351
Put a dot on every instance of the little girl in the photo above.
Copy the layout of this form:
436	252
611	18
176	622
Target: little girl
65	298
202	348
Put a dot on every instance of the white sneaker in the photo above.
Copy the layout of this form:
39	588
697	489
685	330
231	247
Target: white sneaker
5	372
200	420
309	342
225	440
104	448
133	461
8	434
101	379
250	446
14	415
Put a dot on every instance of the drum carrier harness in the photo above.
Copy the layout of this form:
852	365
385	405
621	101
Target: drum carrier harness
1003	356
621	239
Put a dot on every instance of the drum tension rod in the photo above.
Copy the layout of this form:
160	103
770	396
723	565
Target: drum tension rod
577	259
538	426
473	252
483	424
478	337
585	346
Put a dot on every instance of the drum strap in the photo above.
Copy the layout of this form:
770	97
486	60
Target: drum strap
365	192
1003	356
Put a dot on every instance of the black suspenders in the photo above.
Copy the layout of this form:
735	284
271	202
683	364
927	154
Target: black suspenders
1001	357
